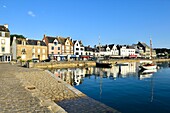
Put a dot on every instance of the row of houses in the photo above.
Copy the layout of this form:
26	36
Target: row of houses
58	48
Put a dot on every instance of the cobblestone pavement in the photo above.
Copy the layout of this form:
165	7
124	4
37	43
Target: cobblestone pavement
35	90
85	105
14	98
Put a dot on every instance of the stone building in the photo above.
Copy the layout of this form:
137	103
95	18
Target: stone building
5	55
28	49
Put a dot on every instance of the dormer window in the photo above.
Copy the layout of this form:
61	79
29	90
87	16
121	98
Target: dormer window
55	43
3	34
38	43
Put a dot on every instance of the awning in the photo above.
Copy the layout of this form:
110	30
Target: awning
132	56
73	56
85	56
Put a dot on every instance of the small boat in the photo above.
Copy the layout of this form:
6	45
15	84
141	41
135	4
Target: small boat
121	64
103	64
147	65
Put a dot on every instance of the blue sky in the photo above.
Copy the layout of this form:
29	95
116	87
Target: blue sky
115	21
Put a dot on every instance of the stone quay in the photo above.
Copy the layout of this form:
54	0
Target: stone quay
31	90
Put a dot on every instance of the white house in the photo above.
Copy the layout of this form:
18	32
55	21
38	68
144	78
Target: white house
126	51
105	50
5	55
113	49
78	48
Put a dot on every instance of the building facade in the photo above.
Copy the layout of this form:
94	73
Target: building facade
5	55
147	51
78	48
28	49
59	48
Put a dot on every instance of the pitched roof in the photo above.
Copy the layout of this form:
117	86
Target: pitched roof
88	48
143	44
50	39
35	42
62	40
80	42
3	28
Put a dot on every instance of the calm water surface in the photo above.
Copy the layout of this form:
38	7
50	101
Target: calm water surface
124	88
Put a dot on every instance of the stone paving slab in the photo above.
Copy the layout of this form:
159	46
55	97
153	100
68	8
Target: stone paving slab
85	105
30	90
14	98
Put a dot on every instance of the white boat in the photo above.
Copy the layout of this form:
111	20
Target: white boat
147	65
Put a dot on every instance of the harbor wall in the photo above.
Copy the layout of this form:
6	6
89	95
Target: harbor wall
70	64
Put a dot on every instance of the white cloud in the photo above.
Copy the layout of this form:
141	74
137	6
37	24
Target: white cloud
4	6
31	13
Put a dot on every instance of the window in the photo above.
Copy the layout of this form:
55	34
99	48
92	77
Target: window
77	53
52	52
58	48
77	44
38	43
77	48
3	34
59	53
43	50
33	50
2	41
38	50
3	49
82	49
52	48
23	51
55	43
7	35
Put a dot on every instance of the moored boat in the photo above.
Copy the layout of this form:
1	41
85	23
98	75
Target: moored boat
103	64
147	65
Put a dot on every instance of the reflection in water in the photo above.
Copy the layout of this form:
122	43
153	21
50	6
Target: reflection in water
74	76
125	88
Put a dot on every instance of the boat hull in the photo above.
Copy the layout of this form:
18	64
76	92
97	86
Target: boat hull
148	67
103	65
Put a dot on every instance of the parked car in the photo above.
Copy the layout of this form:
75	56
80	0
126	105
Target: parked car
35	60
46	60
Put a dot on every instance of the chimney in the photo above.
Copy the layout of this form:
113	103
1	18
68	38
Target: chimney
44	35
6	25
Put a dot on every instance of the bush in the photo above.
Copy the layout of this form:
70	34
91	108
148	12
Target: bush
29	60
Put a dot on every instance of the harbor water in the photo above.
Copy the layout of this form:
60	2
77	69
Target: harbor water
125	88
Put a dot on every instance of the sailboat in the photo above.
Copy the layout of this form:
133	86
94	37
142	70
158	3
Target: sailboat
102	64
147	65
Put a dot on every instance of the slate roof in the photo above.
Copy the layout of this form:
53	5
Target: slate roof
143	44
3	28
51	39
87	48
35	42
111	46
80	42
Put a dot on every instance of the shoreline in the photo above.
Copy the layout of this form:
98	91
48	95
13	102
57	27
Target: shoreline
76	64
51	94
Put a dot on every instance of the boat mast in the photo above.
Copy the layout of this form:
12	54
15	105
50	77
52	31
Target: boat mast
99	45
150	48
